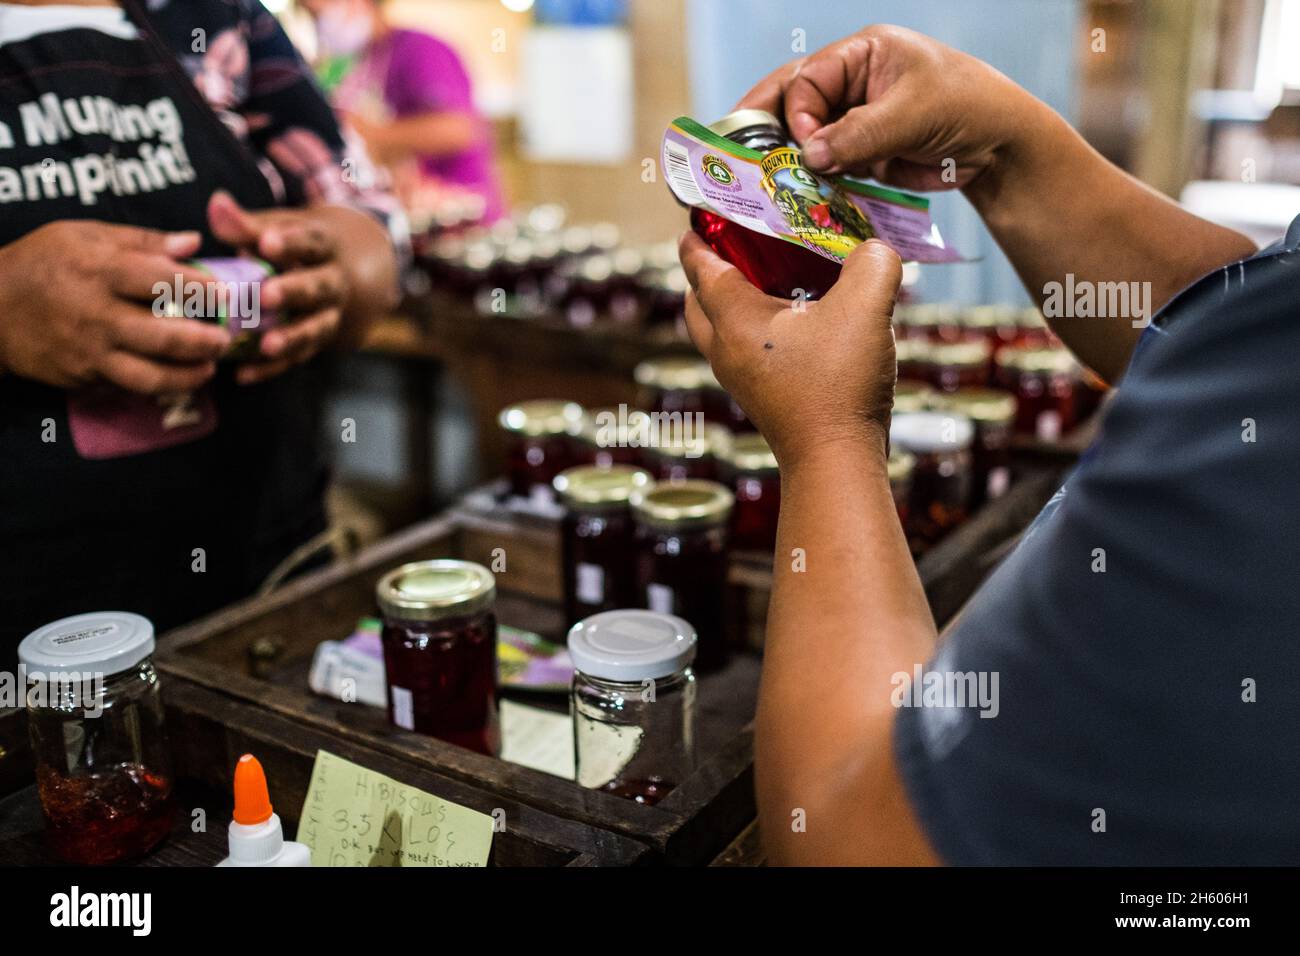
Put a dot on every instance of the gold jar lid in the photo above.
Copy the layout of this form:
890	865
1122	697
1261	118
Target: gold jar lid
683	504
1038	360
672	441
590	486
598	268
674	373
988	406
541	417
627	262
745	119
912	396
901	465
926	315
959	354
435	590
912	350
990	317
750	454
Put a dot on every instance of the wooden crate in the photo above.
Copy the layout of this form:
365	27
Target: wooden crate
208	731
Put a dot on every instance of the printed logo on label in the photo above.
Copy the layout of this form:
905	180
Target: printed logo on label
717	170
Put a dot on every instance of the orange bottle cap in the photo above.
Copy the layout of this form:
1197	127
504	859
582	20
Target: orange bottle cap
252	801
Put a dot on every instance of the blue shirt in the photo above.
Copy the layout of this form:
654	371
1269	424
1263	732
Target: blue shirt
1145	632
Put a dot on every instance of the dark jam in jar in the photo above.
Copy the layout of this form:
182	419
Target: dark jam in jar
539	438
751	470
940	445
682	552
684	450
1045	382
955	365
597	538
901	465
611	436
993	413
776	266
674	384
440	651
117	814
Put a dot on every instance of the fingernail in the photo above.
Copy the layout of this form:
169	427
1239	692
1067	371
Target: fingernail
181	243
817	153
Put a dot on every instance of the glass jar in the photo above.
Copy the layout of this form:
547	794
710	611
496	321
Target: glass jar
751	470
774	265
674	383
678	451
682	546
955	365
591	283
998	325
612	436
597	539
912	396
940	443
1033	331
95	716
440	651
633	699
1045	382
539	444
928	321
912	356
626	299
666	293
722	409
901	465
993	412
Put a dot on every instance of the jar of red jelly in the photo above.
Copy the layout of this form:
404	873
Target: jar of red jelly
627	300
940	444
724	410
776	266
612	436
95	716
993	413
953	365
440	651
539	444
682	554
1045	382
901	465
931	321
750	469
912	396
674	383
666	294
998	325
1032	329
633	700
912	356
597	538
681	450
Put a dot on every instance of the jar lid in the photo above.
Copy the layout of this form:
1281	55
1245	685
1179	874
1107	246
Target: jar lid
541	417
671	440
433	590
925	433
605	235
901	465
986	405
750	454
631	645
592	486
1031	318
1039	359
627	262
674	372
926	314
990	317
683	504
959	354
106	642
912	350
912	396
745	119
596	268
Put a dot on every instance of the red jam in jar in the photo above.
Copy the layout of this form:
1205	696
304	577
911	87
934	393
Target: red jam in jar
751	470
674	383
682	556
998	325
930	321
1045	382
611	436
597	538
778	267
901	465
912	396
684	450
440	651
993	413
940	444
955	365
722	409
539	444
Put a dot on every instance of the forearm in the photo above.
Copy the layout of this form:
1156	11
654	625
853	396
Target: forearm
431	134
847	614
1057	207
367	257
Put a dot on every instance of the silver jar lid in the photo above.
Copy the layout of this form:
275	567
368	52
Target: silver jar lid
631	645
104	642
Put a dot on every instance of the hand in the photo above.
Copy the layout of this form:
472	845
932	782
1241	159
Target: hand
76	308
312	288
899	107
806	373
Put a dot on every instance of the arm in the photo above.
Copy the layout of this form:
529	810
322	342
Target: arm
819	384
909	111
428	134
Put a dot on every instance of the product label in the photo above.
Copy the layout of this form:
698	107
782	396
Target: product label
590	583
775	194
403	707
660	598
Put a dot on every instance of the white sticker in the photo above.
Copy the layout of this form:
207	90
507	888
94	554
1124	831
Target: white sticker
1049	426
999	481
660	598
591	583
403	708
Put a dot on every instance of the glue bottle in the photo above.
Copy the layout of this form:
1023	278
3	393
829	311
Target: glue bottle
256	837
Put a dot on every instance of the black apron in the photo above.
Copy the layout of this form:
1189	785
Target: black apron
198	521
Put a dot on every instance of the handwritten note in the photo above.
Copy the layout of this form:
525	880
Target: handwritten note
356	817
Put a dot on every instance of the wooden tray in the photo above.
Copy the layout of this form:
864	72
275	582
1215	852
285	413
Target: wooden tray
208	731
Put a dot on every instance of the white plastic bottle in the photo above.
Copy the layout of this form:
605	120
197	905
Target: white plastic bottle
256	837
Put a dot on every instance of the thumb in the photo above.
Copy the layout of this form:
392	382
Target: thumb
232	223
869	281
865	134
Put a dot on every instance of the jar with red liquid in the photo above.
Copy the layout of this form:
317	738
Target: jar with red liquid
597	538
751	470
1045	382
674	383
611	436
539	444
931	321
95	716
665	291
912	396
683	449
440	651
993	412
901	465
940	444
1032	329
682	558
778	267
633	702
953	365
724	410
998	325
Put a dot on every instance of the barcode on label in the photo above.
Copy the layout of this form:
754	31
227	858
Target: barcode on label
677	167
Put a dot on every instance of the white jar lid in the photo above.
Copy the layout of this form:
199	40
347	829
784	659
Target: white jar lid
926	433
105	642
631	645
